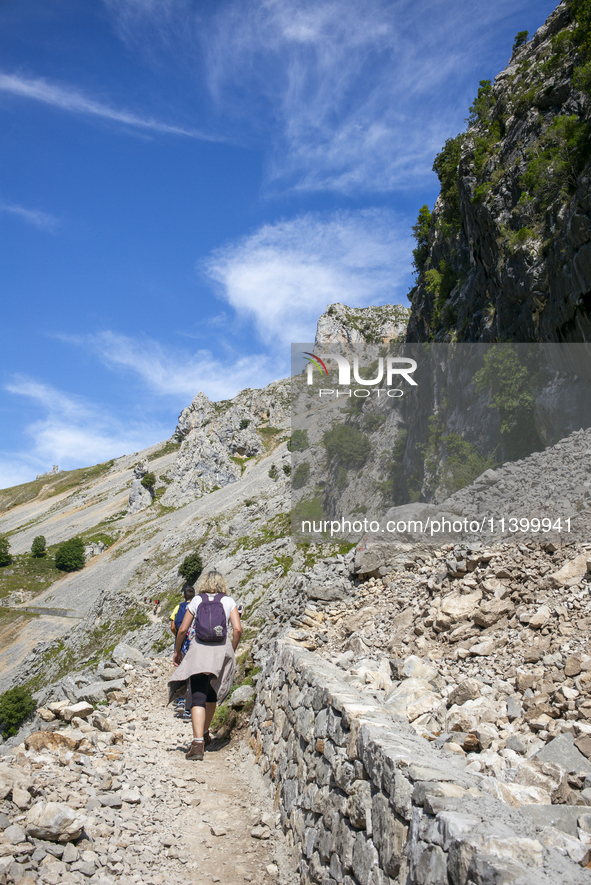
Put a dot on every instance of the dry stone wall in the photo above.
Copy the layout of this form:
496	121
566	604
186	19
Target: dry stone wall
364	800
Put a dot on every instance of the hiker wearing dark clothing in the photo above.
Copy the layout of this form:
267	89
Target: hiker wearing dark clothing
178	612
210	662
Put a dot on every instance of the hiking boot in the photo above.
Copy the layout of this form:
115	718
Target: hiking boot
196	749
207	739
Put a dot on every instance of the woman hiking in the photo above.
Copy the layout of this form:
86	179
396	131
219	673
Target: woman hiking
210	661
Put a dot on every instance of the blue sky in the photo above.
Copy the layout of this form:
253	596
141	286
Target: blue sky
186	185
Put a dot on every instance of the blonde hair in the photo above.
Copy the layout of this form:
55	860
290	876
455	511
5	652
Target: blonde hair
212	582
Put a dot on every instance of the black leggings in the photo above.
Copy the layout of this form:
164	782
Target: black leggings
201	690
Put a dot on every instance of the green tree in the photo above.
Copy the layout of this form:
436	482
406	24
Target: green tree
298	441
520	39
348	445
512	376
69	556
244	423
191	567
420	232
148	480
464	463
445	166
16	705
482	105
5	557
301	475
38	547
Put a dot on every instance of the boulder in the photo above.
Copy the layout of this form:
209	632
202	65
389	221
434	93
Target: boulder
583	744
326	592
491	611
98	691
52	741
82	710
54	822
100	722
133	796
412	698
514	709
468	716
109	673
540	617
568	846
575	569
414	667
562	751
21	798
468	690
459	606
9	776
572	666
126	654
241	696
483	649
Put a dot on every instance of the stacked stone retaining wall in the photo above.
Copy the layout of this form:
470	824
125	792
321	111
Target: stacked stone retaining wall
364	800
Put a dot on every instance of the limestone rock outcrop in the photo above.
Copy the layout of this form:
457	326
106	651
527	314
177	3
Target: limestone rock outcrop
344	325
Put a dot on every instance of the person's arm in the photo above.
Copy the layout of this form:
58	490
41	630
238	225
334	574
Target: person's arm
236	627
173	626
180	637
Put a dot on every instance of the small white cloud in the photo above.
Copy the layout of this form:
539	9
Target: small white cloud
42	220
179	372
284	275
71	432
68	99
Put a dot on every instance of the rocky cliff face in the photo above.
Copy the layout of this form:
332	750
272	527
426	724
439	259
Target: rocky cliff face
506	252
344	325
219	438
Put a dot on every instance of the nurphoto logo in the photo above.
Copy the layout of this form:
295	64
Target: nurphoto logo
388	368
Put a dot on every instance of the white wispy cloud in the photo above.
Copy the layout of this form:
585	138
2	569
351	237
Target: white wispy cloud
69	99
178	372
42	220
284	275
71	431
361	95
344	96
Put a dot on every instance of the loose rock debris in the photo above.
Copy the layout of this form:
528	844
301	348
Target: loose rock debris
108	796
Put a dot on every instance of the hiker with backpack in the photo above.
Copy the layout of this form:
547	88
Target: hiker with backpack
177	615
210	662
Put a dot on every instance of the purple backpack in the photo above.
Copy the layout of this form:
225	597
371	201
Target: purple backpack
210	620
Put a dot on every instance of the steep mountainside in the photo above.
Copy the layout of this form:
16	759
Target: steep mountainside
506	252
221	486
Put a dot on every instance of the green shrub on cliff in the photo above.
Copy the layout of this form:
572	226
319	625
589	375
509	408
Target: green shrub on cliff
301	475
5	557
15	705
191	567
445	166
348	445
69	556
298	441
148	480
557	160
520	39
420	232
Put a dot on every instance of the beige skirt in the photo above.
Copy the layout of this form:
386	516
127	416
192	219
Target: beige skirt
218	660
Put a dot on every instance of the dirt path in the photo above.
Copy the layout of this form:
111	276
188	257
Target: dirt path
150	816
228	801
